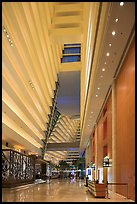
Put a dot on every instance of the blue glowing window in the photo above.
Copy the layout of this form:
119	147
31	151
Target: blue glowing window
70	58
71	53
71	50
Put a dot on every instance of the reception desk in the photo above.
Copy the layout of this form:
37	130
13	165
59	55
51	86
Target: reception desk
98	190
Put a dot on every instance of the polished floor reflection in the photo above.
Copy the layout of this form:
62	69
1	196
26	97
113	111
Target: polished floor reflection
55	191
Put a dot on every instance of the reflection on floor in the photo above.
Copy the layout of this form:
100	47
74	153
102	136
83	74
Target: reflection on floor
55	191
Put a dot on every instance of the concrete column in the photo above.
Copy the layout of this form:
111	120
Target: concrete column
113	136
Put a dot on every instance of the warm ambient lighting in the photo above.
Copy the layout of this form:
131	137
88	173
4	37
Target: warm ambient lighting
96	95
101	76
116	19
109	44
107	54
121	3
98	88
103	70
105	63
8	37
113	33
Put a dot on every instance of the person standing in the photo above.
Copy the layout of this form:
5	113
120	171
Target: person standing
87	181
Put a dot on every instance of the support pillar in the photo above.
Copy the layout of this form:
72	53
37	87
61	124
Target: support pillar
96	153
113	135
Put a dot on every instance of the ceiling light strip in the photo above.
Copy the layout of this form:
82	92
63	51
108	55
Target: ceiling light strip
37	44
28	65
20	75
23	102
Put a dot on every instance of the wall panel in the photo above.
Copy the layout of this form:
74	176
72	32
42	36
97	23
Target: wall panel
125	121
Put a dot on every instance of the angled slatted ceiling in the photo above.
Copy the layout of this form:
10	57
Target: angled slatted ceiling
29	63
30	71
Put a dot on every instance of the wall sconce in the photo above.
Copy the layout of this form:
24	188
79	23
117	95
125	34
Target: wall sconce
107	162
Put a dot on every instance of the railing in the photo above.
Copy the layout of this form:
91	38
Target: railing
53	117
16	168
126	184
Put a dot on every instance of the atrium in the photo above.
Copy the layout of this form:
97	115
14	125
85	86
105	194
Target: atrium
68	101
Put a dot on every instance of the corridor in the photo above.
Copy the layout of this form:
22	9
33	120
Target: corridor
68	101
55	191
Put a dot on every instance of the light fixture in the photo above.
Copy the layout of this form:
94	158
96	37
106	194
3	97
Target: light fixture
92	112
107	54
103	70
121	3
8	37
110	44
113	32
101	76
116	19
96	95
98	88
105	63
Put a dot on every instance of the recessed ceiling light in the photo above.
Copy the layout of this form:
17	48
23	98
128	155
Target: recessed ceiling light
101	76
4	29
98	88
11	44
113	32
103	69
116	19
110	44
7	36
107	54
105	63
96	95
91	112
121	3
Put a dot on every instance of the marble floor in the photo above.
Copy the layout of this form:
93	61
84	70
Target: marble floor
55	191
